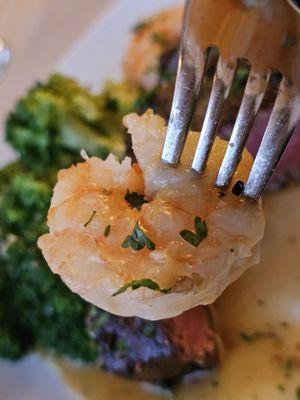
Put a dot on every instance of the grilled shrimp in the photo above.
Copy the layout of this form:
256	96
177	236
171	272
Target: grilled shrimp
179	246
152	38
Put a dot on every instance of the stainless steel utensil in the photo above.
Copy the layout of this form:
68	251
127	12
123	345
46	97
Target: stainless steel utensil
265	32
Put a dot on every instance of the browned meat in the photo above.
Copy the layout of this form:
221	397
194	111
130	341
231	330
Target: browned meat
159	352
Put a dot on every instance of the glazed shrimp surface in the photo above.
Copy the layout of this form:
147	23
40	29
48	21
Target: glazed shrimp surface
90	196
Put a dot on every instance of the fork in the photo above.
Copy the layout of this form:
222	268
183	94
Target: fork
267	34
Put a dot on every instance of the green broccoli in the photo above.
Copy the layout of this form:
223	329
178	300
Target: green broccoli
23	206
56	119
48	128
36	310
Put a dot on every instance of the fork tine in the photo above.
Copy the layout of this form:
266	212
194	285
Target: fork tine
220	90
188	83
251	102
282	122
190	71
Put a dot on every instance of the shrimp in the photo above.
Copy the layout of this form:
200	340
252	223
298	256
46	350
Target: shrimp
153	38
179	248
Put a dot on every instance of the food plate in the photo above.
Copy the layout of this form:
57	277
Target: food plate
261	312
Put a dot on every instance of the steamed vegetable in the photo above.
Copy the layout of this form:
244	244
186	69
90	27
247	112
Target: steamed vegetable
36	308
56	119
48	128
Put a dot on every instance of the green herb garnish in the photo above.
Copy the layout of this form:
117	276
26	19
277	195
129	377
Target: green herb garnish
90	219
136	284
135	200
107	230
195	238
138	240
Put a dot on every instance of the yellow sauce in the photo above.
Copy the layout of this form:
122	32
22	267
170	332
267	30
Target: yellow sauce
265	300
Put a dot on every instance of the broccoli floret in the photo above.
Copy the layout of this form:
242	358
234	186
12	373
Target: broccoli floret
36	310
48	127
10	347
23	206
8	172
56	119
119	97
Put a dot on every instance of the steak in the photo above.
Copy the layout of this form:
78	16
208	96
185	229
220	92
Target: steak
158	352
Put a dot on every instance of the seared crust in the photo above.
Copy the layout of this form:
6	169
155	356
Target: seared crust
160	352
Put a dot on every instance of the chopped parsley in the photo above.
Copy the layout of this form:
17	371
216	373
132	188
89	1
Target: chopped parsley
138	240
107	230
135	199
136	284
195	238
90	219
238	188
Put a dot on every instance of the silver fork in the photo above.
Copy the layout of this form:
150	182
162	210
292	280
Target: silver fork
267	34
